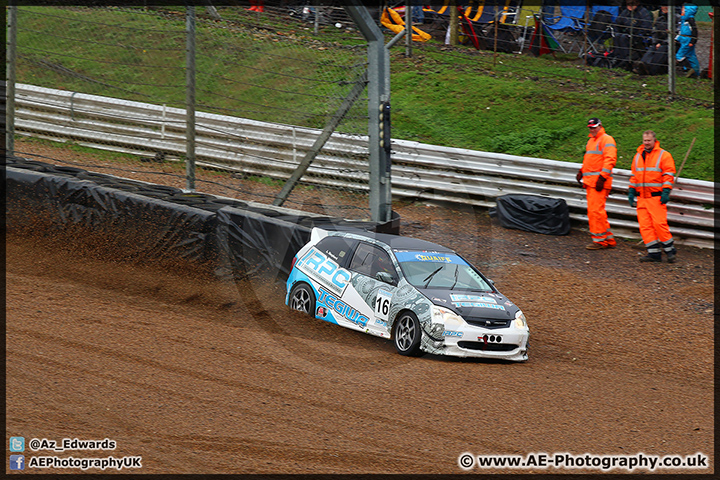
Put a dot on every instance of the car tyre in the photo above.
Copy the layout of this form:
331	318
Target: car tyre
302	299
407	335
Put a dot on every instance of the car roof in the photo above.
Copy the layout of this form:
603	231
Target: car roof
398	242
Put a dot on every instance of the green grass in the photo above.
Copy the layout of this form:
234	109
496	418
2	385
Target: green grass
506	103
539	107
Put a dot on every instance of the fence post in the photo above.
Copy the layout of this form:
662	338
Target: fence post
454	23
378	76
671	48
408	28
10	83
190	99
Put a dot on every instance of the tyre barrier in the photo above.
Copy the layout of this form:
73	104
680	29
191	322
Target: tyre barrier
150	222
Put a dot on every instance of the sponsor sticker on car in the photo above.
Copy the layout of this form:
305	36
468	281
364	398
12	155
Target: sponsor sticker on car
324	270
474	301
341	308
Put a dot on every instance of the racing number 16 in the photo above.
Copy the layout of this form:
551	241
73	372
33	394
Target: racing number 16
382	305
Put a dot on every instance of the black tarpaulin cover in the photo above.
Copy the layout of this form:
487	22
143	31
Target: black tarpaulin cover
144	221
549	216
141	227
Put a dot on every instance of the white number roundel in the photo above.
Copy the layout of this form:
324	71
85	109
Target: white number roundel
382	305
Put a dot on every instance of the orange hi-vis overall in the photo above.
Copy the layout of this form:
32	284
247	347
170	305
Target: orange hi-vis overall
651	173
599	160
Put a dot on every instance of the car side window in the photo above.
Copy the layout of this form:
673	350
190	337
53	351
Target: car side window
369	260
336	248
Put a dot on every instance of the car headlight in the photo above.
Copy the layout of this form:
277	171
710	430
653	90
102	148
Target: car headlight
520	320
446	316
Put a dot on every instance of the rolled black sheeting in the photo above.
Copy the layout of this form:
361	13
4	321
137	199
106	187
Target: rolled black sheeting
252	243
549	216
136	225
143	221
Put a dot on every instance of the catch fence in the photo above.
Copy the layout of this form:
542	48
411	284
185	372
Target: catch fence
249	65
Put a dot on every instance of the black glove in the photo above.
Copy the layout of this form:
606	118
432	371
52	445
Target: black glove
665	196
632	193
578	177
600	184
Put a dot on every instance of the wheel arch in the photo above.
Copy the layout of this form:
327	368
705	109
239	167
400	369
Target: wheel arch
391	326
298	282
311	291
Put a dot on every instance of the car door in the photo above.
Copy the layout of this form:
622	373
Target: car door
374	281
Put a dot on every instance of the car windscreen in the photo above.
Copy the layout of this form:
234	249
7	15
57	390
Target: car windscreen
440	270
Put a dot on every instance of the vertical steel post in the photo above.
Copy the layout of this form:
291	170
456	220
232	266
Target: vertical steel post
408	28
671	48
10	81
190	99
316	21
378	94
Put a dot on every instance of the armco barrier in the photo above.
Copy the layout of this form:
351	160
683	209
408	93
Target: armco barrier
419	171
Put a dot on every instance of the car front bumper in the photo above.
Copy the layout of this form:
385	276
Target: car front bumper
504	343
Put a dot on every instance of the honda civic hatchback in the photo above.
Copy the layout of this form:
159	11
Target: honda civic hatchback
423	296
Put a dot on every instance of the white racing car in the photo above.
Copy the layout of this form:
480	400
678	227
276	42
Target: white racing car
424	296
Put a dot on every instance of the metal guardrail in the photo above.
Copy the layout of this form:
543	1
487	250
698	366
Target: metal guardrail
420	171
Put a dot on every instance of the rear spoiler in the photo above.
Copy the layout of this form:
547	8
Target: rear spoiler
317	234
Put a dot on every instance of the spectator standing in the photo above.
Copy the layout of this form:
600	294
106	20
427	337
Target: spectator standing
655	60
634	27
688	36
653	173
595	176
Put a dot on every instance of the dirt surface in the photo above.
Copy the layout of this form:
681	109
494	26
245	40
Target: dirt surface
200	375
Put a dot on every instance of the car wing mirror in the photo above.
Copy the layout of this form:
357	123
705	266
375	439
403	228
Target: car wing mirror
385	277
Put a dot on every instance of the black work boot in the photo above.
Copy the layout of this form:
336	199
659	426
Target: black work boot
652	257
670	250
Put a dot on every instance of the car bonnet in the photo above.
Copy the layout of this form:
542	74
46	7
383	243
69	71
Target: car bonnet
473	304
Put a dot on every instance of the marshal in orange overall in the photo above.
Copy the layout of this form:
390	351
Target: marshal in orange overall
596	177
653	174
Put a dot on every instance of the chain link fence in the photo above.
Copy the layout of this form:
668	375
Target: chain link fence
252	70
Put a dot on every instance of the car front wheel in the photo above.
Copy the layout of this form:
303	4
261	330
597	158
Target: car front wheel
407	334
302	299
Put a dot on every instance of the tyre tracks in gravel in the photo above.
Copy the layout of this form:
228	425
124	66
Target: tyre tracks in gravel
77	407
270	403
